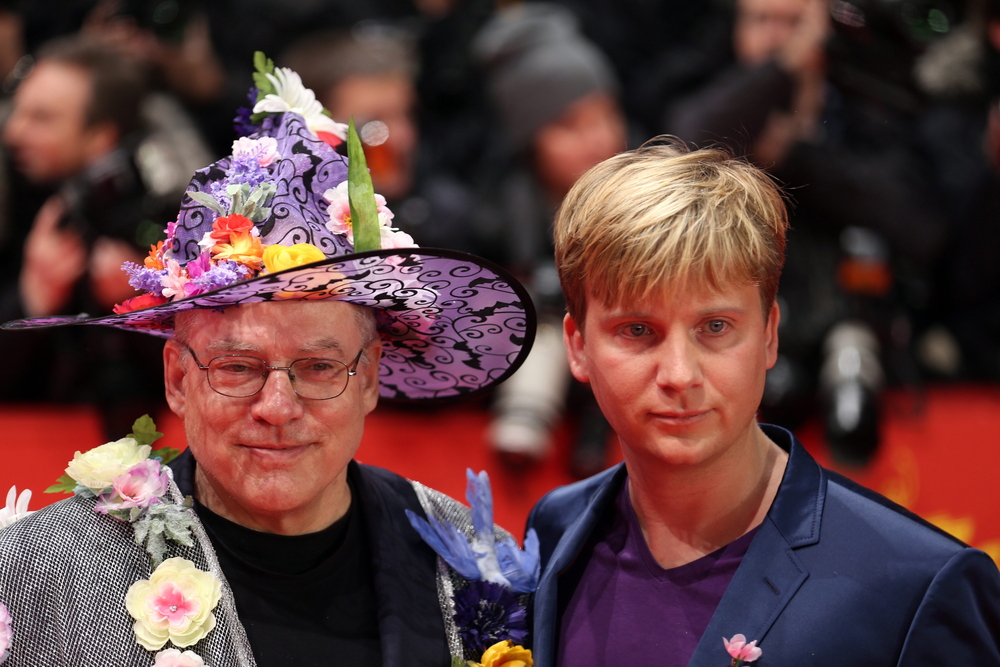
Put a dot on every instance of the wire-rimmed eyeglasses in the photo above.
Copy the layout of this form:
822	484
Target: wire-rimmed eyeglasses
316	378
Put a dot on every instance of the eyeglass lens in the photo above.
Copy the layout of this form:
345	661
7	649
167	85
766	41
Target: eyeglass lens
239	376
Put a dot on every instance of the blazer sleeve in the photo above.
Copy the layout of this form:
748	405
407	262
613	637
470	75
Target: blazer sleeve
958	620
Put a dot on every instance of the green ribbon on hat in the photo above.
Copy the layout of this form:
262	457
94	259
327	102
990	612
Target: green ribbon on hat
361	195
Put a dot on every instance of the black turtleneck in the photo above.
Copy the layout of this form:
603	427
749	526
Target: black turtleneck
304	599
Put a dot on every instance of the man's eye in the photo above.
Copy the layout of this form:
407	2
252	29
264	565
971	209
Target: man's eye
636	330
716	326
236	368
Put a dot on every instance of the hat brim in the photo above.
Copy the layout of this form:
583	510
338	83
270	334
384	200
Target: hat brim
451	324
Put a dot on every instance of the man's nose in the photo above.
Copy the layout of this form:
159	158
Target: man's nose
678	364
277	402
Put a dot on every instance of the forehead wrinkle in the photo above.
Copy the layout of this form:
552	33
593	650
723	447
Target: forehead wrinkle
231	345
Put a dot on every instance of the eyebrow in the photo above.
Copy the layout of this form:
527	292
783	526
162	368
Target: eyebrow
646	315
321	345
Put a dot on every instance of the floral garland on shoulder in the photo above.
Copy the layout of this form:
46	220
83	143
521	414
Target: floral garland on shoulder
489	611
129	483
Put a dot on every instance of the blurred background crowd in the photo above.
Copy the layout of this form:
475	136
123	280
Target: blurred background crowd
880	118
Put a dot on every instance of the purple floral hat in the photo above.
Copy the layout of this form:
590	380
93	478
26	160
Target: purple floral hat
287	217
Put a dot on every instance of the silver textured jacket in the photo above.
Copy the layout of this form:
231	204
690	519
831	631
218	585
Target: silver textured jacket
65	571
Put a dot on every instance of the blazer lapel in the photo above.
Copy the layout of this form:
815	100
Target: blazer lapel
771	573
546	597
409	614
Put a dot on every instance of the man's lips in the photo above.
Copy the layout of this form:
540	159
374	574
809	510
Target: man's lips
680	417
273	451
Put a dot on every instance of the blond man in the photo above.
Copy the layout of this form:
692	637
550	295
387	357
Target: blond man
715	526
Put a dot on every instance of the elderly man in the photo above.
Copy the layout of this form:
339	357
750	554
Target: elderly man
290	306
715	526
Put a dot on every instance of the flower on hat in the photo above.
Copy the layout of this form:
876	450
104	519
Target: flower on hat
243	248
6	632
278	257
223	227
139	486
175	604
740	650
264	149
505	654
17	507
339	211
171	657
97	468
290	95
155	258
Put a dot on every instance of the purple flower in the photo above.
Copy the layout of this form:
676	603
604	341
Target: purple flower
223	274
143	279
242	123
139	486
6	632
487	613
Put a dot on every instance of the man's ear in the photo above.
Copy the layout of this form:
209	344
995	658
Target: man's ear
368	374
173	376
771	334
575	350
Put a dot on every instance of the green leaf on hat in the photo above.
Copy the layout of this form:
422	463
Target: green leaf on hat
206	199
361	195
264	66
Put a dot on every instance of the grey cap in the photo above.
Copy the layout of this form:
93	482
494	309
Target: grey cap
538	63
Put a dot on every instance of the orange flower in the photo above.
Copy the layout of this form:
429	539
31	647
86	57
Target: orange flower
139	302
223	228
242	248
153	261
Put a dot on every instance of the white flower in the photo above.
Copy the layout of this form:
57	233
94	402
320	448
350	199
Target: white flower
175	604
171	657
291	95
264	150
100	465
17	507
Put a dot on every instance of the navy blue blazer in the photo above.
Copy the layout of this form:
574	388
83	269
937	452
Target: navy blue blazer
836	575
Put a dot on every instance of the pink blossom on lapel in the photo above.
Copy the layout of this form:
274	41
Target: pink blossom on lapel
740	650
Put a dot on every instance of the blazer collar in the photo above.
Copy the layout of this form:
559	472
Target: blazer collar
771	573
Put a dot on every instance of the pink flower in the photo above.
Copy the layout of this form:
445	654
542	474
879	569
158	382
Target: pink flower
139	486
340	212
740	650
264	150
171	657
173	283
175	604
394	239
6	632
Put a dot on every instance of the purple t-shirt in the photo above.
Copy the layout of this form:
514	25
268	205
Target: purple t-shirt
626	609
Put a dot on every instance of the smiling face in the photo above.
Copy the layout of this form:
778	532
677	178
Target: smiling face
679	375
273	455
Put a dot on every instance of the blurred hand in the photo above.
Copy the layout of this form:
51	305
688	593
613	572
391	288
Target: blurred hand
108	283
54	260
805	50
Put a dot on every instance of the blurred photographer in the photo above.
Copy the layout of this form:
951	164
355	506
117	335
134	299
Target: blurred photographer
821	93
75	131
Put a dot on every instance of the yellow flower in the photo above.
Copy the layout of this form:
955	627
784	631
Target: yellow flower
243	247
505	654
280	257
174	604
100	465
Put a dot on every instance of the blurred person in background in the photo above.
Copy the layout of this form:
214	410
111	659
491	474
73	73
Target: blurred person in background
370	74
822	94
75	134
556	95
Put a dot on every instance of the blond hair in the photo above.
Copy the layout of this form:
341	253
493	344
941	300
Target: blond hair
662	215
